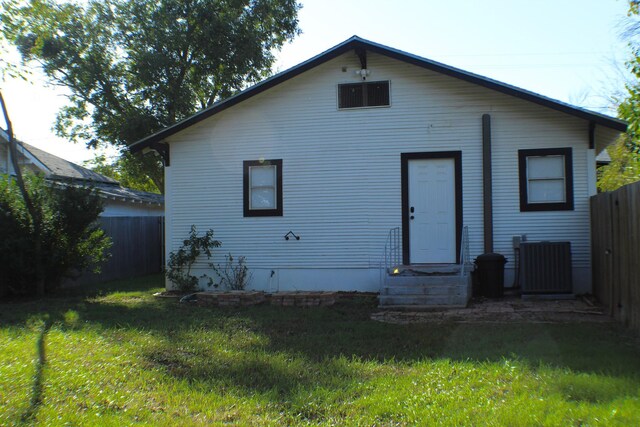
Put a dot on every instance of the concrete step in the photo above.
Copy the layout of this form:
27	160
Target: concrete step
425	291
432	307
423	300
424	280
426	269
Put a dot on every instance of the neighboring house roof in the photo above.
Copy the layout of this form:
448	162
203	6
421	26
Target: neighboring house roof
64	172
111	191
63	169
603	158
358	44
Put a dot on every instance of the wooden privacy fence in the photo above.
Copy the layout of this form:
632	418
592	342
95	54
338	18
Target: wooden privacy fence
137	250
615	230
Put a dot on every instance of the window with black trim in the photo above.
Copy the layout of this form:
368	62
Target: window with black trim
262	182
365	94
546	179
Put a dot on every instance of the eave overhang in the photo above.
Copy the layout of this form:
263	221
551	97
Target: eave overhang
359	45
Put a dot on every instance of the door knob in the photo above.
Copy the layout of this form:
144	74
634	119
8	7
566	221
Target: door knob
411	217
412	209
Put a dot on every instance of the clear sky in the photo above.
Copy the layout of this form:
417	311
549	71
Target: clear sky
570	50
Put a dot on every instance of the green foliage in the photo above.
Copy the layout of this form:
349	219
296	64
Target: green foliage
234	276
181	261
133	67
629	108
126	169
71	242
9	67
623	169
625	153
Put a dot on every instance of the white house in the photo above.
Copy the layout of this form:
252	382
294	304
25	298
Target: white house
363	139
119	201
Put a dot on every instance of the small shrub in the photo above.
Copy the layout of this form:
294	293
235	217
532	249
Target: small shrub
181	261
233	277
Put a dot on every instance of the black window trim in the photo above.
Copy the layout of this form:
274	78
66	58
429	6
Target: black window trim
567	205
245	183
362	83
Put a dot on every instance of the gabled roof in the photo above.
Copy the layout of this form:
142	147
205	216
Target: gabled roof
60	168
116	192
357	43
55	167
63	172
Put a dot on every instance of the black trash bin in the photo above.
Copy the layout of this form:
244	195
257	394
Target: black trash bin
475	284
491	274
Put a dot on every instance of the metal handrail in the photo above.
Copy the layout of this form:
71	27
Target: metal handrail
393	249
391	255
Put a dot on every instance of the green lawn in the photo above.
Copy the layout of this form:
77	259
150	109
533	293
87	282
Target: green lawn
114	355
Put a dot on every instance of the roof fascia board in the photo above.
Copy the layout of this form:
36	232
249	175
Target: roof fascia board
355	43
498	86
245	94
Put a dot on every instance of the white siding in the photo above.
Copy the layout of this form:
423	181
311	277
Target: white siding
536	128
341	169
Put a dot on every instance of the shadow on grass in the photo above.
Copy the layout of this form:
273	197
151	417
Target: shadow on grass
138	284
345	330
298	348
280	350
17	311
38	378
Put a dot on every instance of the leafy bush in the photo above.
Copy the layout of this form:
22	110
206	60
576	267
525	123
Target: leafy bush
233	276
71	240
181	261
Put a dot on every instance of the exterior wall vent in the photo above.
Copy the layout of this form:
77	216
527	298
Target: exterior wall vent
545	267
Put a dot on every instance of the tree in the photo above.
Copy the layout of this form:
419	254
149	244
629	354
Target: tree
33	214
136	66
69	240
125	169
623	169
625	153
48	232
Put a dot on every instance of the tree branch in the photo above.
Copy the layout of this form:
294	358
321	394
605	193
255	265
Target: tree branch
33	213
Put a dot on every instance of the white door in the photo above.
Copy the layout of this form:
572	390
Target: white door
432	211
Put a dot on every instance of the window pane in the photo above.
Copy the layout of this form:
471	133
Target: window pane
377	94
545	167
350	95
263	176
263	198
547	191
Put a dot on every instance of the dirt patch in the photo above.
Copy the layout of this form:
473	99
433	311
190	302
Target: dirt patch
505	310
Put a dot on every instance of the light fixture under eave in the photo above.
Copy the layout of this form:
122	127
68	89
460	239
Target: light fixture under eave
363	73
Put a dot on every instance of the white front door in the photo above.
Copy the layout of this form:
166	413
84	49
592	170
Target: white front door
432	211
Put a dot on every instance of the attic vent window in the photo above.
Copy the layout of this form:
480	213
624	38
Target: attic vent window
365	94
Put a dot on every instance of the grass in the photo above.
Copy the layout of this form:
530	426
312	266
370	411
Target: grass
114	355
